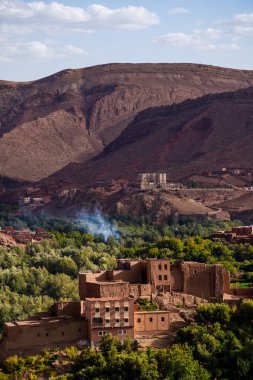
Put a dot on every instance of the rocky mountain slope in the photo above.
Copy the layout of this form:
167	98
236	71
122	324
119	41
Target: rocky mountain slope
73	115
198	135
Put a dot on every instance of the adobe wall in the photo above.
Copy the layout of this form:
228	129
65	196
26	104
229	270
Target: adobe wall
226	281
75	308
107	289
115	290
221	278
199	280
151	322
95	338
32	337
176	275
83	278
139	290
134	275
158	274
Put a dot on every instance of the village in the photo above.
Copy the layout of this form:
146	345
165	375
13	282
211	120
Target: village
109	304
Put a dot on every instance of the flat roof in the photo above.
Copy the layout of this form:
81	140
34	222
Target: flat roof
108	299
42	321
113	282
153	311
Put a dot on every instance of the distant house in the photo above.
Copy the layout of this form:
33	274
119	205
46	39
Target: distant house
149	180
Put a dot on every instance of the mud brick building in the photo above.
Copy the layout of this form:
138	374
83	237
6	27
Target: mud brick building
25	235
108	305
239	234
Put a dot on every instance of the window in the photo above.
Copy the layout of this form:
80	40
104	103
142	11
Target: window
165	277
126	308
101	333
107	321
62	333
126	320
139	320
160	266
38	335
160	278
97	321
162	319
117	320
165	266
97	309
116	308
79	330
150	319
122	332
46	334
107	309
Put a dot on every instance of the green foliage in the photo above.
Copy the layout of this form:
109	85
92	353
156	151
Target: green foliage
146	305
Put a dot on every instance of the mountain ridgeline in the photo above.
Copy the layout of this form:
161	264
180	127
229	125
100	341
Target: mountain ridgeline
115	120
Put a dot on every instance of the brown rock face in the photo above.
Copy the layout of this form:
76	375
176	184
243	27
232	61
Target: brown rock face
73	115
195	136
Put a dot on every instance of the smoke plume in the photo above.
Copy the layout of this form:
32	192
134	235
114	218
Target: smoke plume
97	224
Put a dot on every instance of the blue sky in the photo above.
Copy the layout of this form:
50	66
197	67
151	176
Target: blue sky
38	38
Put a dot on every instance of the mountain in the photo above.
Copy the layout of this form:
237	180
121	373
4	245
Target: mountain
198	135
74	115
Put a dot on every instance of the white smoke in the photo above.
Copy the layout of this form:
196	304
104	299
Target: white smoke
97	224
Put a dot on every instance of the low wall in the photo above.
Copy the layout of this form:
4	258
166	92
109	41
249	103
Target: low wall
30	337
242	292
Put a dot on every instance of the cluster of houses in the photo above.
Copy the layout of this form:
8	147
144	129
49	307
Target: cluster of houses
25	235
109	304
240	234
147	181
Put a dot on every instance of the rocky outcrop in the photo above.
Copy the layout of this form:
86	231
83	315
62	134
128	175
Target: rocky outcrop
73	115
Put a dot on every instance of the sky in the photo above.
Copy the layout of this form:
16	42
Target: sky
39	38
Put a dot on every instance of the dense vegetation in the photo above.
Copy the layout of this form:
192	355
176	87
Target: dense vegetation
218	346
35	276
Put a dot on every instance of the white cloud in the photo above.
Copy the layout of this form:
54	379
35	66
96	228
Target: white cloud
241	24
35	50
200	39
244	18
56	16
178	11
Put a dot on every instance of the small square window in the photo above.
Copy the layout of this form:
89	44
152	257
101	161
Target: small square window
139	320
150	319
160	278
116	308
160	266
117	320
165	266
107	309
107	321
126	308
100	333
162	319
126	320
166	277
97	309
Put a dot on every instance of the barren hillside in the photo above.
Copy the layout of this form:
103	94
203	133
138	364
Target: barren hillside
197	135
73	115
